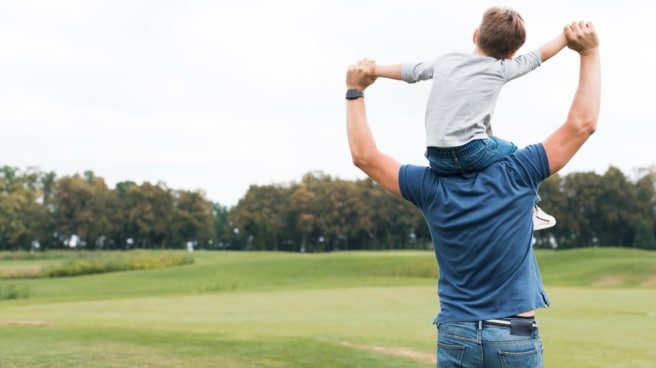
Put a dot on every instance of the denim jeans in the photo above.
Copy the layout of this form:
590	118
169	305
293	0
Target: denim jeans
473	156
469	344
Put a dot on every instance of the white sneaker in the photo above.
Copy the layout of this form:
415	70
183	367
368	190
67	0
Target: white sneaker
542	220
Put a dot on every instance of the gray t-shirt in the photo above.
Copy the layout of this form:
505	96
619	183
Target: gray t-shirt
464	93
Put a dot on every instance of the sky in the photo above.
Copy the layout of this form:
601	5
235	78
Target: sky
221	95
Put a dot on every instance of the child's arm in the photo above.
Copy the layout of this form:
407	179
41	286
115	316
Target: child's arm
387	71
553	47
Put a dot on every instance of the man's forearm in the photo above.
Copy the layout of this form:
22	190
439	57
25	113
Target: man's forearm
587	100
360	137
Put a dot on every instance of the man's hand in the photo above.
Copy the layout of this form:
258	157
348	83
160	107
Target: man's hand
582	37
360	75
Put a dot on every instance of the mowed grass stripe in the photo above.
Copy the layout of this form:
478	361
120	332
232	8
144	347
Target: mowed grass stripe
348	309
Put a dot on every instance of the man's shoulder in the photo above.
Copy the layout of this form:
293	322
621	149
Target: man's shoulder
531	160
412	178
532	151
414	171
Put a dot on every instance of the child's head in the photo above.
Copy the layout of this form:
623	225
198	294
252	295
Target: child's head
501	33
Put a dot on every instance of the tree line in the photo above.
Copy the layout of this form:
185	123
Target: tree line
319	213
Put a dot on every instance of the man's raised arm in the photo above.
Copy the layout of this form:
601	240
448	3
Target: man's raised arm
365	154
582	119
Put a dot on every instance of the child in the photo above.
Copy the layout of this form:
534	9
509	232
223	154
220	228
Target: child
464	93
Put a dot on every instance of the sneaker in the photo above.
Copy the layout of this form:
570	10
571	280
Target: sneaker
542	220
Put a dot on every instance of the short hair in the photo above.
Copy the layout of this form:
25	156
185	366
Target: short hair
501	32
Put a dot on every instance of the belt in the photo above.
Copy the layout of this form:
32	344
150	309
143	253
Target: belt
518	326
507	322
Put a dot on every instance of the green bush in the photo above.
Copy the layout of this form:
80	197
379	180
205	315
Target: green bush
78	263
12	291
120	261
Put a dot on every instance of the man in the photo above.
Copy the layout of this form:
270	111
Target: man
489	284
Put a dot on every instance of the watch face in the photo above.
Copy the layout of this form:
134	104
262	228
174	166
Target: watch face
352	94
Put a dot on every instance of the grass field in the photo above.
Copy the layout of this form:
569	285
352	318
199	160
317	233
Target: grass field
347	309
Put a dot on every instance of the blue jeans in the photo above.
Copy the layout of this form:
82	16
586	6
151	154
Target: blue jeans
473	156
470	344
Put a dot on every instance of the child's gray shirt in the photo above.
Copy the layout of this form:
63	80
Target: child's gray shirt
464	93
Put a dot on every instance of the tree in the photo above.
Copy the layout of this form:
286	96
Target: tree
616	209
192	219
80	208
580	217
119	204
150	212
222	227
24	219
644	236
302	209
260	216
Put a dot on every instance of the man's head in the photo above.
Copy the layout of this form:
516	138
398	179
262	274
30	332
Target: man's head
501	33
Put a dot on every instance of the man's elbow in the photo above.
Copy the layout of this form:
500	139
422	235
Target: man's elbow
585	125
362	160
588	125
359	161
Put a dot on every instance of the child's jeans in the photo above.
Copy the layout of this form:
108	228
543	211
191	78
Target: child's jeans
473	156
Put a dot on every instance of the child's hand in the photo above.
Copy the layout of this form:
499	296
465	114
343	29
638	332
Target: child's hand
581	37
372	70
359	75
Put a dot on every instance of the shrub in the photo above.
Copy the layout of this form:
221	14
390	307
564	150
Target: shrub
120	261
12	291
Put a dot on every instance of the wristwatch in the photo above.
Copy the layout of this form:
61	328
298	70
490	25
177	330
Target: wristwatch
353	94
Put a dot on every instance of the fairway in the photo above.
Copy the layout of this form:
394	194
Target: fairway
348	309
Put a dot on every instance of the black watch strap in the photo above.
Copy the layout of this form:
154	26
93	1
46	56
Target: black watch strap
352	94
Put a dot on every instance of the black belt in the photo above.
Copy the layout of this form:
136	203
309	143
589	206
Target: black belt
518	326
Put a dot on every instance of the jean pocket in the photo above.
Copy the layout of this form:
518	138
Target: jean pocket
450	356
519	359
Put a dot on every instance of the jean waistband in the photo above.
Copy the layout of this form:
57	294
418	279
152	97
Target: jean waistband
468	148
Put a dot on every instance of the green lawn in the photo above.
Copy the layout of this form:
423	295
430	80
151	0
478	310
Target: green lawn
348	309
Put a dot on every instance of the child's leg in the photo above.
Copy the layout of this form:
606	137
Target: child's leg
473	156
496	149
442	162
449	161
541	219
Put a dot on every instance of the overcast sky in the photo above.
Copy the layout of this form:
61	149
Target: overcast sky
220	95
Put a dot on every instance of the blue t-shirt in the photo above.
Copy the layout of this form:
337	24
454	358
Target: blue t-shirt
481	225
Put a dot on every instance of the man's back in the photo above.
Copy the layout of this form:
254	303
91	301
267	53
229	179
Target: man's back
482	240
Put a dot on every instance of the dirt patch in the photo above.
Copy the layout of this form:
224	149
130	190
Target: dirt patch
397	351
610	281
17	272
651	282
23	322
